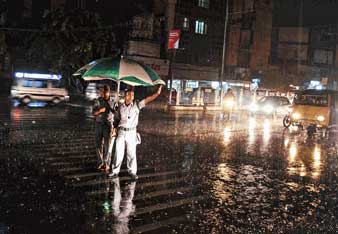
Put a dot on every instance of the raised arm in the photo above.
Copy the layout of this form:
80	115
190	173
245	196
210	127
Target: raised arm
153	97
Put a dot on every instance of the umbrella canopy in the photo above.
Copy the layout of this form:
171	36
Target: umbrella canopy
118	69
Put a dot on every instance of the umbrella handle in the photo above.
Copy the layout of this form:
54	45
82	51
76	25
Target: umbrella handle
118	92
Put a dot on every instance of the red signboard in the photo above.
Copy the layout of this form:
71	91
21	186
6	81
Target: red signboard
174	39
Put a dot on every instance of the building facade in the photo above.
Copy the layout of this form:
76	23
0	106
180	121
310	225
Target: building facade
197	61
249	38
304	43
282	42
201	23
202	26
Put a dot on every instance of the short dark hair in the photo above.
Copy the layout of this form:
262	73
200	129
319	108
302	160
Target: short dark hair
129	89
106	88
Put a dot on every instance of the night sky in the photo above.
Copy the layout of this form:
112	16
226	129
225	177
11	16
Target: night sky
117	11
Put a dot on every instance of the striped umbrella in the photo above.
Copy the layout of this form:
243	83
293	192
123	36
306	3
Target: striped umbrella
119	69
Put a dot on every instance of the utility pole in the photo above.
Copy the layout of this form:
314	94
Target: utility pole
171	61
173	45
224	48
300	33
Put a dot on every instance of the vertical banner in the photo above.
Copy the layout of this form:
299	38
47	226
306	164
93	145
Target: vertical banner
174	39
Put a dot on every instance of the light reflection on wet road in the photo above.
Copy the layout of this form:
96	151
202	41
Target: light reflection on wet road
197	173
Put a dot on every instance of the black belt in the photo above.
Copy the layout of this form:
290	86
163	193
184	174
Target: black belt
104	122
127	129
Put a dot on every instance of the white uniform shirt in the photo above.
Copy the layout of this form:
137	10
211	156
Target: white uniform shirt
129	115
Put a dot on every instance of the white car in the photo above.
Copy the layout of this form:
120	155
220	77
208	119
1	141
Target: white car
38	87
92	92
271	105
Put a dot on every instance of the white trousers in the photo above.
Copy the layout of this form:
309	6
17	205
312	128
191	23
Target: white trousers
125	140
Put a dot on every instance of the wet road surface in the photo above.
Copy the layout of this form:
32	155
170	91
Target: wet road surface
197	174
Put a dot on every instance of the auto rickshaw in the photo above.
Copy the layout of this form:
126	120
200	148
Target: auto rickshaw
313	110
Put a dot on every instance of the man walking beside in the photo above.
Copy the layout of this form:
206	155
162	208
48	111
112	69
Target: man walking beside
127	121
103	112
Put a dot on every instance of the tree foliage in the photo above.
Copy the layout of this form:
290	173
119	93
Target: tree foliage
69	40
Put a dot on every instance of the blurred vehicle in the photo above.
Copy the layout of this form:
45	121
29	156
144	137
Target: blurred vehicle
271	106
313	109
93	92
30	87
166	94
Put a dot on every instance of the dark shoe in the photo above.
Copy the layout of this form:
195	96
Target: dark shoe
113	175
133	176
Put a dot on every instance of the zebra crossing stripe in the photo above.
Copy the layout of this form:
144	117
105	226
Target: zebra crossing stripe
159	224
163	192
155	183
140	186
72	169
65	157
72	163
84	175
163	206
80	142
104	181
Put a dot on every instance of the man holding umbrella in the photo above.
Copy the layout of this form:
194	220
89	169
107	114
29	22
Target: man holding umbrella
126	123
133	73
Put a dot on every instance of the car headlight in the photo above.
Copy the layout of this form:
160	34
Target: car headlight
229	103
268	109
253	107
296	116
320	118
13	92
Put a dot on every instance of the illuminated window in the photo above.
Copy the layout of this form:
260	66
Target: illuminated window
203	3
185	23
200	27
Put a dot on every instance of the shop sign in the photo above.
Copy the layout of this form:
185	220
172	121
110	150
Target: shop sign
174	39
